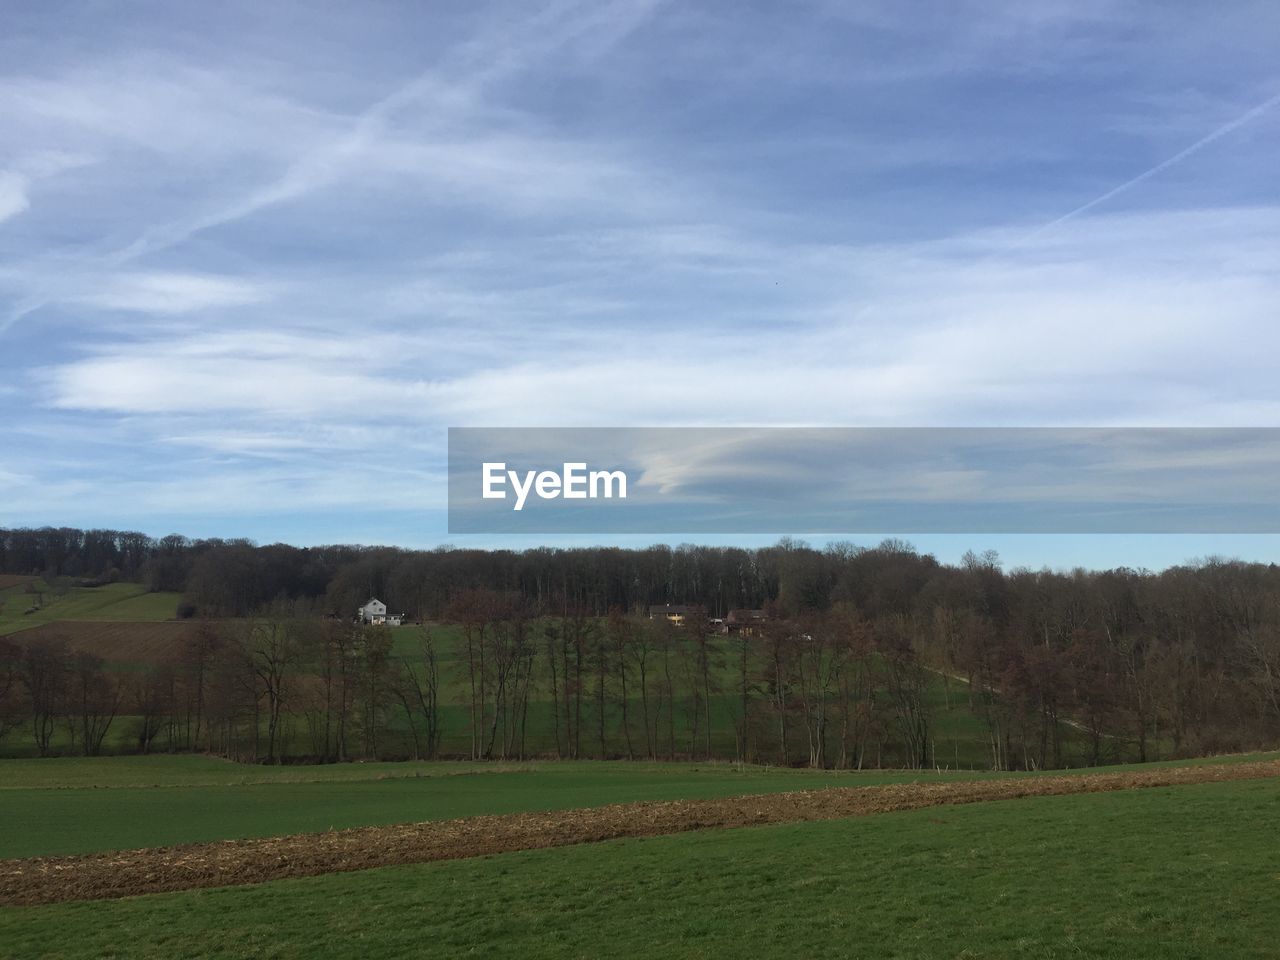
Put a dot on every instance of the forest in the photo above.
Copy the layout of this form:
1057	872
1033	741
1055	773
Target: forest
550	652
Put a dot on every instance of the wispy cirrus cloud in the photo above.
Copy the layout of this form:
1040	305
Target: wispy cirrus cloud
173	293
1053	331
331	241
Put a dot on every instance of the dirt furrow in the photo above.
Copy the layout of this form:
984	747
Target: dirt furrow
39	880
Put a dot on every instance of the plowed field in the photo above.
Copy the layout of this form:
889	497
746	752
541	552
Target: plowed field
124	641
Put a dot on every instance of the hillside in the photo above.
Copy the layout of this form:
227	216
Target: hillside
29	602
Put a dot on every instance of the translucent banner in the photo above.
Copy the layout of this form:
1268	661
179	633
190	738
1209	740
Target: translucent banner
863	480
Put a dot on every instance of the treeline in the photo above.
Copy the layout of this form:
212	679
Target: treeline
236	578
550	653
286	683
825	688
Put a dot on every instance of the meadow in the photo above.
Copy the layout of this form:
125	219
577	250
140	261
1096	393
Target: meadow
64	806
107	603
1185	871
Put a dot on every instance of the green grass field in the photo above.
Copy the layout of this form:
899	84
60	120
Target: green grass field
83	806
66	806
1167	873
112	601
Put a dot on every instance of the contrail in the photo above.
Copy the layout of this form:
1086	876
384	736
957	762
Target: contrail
489	56
1178	157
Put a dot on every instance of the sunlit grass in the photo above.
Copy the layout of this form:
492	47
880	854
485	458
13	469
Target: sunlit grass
1166	873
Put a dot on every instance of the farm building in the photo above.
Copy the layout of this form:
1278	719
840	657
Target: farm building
673	614
746	622
375	612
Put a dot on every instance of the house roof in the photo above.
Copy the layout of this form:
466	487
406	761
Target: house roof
667	608
745	616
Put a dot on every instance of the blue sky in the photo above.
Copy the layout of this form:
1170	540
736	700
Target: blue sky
256	258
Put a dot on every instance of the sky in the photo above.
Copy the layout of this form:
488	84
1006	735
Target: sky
255	259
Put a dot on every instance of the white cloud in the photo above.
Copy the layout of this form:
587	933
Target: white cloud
13	195
1054	331
16	182
174	293
155	381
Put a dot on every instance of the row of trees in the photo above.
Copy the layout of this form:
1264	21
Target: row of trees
283	684
46	685
551	653
1048	679
290	684
1051	671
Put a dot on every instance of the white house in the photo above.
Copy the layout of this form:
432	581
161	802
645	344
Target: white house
375	612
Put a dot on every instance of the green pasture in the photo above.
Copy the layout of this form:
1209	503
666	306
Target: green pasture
112	601
83	805
63	806
1183	872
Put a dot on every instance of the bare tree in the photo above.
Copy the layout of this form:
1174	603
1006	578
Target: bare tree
196	659
152	702
92	701
13	711
473	611
272	653
779	639
42	669
640	651
376	686
621	632
818	663
420	694
905	679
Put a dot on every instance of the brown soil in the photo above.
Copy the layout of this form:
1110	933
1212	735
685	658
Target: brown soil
128	641
103	876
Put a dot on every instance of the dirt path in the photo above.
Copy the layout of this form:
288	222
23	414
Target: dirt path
104	876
